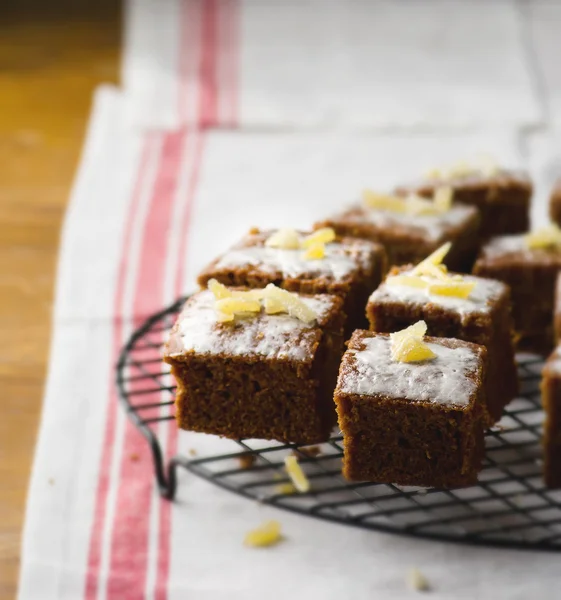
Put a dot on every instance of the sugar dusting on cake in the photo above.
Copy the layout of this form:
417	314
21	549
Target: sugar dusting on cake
479	300
339	261
434	227
443	380
268	336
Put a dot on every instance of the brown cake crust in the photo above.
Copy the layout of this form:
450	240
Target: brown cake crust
492	328
252	396
503	199
354	288
555	203
396	440
531	276
551	401
409	243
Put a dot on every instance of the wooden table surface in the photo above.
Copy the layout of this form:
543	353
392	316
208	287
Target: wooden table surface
51	59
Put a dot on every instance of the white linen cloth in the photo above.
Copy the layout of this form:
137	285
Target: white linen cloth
358	64
148	210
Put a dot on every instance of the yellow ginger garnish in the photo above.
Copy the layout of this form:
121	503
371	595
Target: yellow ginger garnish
416	581
314	244
273	307
298	477
285	489
219	290
267	534
412	204
320	237
408	346
458	289
434	276
384	201
443	197
315	252
483	165
407	280
288	239
417	205
546	237
237	305
432	265
230	303
293	305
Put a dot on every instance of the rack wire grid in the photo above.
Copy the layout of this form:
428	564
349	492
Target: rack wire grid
509	507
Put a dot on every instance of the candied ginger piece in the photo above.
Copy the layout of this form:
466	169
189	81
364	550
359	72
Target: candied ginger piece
417	330
432	265
546	237
223	317
273	307
298	477
434	173
384	201
407	345
285	489
219	290
325	235
407	280
256	294
417	581
443	197
315	252
453	287
416	205
411	349
293	305
237	305
288	239
267	534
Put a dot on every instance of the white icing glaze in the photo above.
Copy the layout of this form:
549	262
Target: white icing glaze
268	336
433	226
505	244
442	380
479	301
339	262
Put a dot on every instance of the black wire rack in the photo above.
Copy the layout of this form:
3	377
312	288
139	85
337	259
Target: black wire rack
510	506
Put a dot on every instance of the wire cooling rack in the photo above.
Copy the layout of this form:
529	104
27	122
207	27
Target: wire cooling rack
509	507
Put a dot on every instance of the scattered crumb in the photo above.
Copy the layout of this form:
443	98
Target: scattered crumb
286	489
309	451
192	452
417	581
247	461
51	481
267	534
298	477
135	457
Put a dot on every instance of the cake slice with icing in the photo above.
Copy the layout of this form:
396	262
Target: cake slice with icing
412	422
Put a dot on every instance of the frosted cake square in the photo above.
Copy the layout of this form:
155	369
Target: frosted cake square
417	423
258	375
350	268
409	237
481	316
528	264
502	196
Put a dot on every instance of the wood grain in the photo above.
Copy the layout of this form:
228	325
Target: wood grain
51	59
